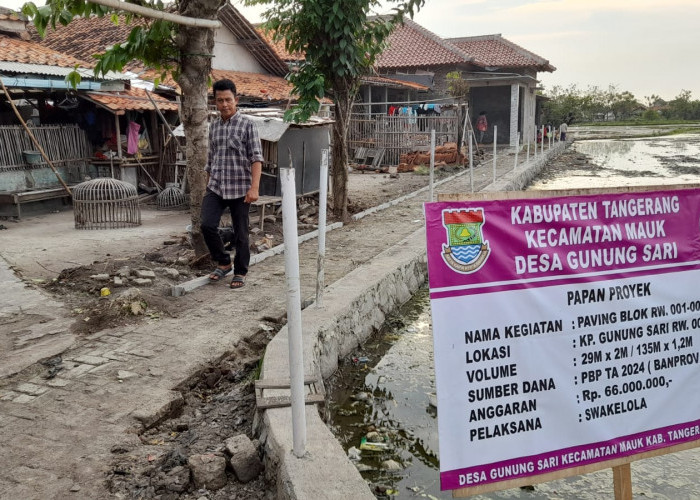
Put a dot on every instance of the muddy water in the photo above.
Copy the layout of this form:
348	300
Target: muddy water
386	390
629	162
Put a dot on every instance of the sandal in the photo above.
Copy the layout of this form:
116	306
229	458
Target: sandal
237	282
219	273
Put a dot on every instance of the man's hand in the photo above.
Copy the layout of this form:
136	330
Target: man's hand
252	195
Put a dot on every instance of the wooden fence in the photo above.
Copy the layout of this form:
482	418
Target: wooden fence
400	134
62	144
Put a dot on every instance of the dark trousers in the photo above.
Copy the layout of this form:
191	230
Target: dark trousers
213	207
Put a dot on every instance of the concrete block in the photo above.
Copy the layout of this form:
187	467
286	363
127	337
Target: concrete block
208	471
145	273
244	458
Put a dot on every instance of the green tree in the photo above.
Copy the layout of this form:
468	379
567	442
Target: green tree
651	115
458	88
653	100
623	105
563	104
682	107
183	50
341	41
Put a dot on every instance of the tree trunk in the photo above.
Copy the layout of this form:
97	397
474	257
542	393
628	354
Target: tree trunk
195	66
343	107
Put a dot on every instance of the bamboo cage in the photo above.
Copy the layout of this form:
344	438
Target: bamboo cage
105	204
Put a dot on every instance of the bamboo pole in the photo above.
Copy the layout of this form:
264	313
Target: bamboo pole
31	136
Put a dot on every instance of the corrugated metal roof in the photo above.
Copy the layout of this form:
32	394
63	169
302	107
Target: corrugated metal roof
270	123
269	128
45	69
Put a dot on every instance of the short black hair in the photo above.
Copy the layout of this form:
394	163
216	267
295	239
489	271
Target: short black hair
224	84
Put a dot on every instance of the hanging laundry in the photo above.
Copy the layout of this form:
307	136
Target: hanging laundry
132	138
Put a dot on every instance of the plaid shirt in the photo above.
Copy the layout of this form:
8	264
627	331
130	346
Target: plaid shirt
234	146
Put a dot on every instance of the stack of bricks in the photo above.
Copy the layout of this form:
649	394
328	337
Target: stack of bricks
447	154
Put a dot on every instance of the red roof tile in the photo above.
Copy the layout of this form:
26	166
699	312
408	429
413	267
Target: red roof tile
279	47
496	51
133	99
257	86
391	82
411	45
250	85
19	51
84	37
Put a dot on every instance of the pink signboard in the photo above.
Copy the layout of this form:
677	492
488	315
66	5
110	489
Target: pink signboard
565	330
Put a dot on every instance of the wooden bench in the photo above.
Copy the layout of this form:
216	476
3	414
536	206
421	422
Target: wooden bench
262	202
17	198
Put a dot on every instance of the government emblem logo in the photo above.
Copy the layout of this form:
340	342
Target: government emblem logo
466	251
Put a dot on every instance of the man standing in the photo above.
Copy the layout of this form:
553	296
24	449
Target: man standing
563	129
233	180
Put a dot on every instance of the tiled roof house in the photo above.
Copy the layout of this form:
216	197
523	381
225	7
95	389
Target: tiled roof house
502	75
494	51
382	84
240	53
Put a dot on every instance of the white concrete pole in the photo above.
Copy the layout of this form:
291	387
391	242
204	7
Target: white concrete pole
159	14
527	160
517	150
432	163
296	350
471	162
322	204
542	148
495	140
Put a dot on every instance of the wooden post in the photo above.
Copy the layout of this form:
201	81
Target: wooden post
622	482
119	138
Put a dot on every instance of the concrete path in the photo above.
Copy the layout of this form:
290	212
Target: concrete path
56	434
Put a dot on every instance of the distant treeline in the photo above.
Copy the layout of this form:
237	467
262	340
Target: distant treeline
574	105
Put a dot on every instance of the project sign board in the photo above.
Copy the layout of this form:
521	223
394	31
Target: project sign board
566	330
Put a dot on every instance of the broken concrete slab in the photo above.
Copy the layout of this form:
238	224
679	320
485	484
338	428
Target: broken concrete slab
208	471
245	461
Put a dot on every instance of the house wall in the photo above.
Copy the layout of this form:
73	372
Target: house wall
231	55
40	178
528	109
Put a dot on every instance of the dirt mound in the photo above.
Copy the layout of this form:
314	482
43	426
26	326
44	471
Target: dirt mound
124	290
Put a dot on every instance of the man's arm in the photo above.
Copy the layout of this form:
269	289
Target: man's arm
254	192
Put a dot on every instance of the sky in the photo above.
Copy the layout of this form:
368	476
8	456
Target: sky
642	46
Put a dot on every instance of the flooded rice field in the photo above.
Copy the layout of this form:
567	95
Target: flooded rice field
625	162
382	400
